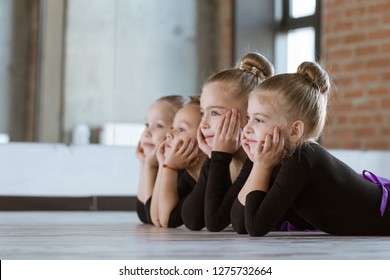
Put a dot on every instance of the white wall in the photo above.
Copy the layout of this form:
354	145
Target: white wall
64	170
96	170
377	162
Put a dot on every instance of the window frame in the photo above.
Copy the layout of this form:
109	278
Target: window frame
288	23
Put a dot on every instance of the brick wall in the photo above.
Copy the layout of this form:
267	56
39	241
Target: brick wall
356	51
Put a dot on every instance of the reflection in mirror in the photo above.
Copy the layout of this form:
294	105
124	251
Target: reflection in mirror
74	64
15	56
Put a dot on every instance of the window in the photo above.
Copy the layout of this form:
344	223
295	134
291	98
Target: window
297	37
302	8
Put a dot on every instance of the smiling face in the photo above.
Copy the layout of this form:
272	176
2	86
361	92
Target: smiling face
158	122
262	117
216	100
184	126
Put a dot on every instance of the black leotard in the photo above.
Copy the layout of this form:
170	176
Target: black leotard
322	190
210	202
192	211
185	186
143	211
220	191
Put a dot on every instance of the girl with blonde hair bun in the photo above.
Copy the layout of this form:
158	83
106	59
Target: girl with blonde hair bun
292	172
223	104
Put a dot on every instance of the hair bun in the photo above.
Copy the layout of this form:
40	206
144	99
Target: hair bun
316	75
257	64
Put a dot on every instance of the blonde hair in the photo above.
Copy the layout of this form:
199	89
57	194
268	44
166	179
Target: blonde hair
250	72
306	95
176	101
194	100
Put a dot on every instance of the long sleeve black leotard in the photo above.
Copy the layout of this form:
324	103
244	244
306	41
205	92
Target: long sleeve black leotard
192	209
185	186
143	211
210	201
220	191
290	221
323	190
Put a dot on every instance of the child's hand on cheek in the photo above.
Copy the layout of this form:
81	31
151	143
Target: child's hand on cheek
140	153
161	153
183	154
202	143
151	159
246	147
227	135
270	152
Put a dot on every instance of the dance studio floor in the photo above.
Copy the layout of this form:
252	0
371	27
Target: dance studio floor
119	235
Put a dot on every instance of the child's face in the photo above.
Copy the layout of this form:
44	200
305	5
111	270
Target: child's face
184	126
216	100
158	122
262	118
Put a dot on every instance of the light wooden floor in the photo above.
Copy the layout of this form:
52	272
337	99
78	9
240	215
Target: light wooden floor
119	235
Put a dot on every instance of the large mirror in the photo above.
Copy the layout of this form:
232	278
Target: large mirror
75	65
98	63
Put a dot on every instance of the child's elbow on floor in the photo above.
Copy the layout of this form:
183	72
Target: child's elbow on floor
164	222
194	226
240	230
257	232
214	228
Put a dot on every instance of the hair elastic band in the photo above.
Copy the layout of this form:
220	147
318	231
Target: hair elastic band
254	70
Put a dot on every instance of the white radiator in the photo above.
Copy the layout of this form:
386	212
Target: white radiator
120	134
4	138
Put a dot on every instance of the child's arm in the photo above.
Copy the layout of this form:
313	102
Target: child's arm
154	214
168	197
260	217
149	175
154	204
257	180
185	186
220	192
140	206
220	199
182	155
193	206
141	157
269	154
146	181
237	215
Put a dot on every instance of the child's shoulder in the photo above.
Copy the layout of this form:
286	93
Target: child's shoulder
316	155
311	152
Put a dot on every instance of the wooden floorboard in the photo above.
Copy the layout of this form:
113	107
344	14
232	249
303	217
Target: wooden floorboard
119	235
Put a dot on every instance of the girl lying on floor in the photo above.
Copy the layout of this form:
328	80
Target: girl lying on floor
180	163
291	170
158	121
